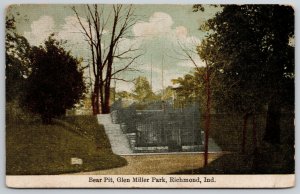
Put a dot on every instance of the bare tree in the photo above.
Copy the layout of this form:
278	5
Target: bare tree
104	32
188	53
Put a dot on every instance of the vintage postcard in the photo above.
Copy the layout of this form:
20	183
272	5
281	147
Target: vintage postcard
150	96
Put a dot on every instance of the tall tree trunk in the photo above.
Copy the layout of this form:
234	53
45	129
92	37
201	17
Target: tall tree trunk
245	118
95	98
207	117
106	107
95	102
272	132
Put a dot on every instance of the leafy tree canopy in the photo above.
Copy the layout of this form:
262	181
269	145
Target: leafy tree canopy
55	83
142	90
17	62
249	52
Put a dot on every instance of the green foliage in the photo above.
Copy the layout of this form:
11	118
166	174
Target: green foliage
198	7
166	94
248	52
55	83
188	87
249	55
123	95
142	90
17	62
191	88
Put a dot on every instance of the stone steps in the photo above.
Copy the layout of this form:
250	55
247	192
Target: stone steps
118	140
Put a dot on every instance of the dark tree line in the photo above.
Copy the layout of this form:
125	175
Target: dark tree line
45	80
17	62
252	61
249	66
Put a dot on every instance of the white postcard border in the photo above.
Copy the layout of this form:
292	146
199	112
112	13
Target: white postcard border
151	181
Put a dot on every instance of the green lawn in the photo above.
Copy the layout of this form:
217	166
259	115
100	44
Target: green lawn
33	148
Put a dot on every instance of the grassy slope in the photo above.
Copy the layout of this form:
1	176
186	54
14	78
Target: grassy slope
33	148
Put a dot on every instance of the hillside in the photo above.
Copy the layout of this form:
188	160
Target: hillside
35	149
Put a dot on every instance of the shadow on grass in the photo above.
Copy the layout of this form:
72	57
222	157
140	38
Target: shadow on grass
226	130
265	160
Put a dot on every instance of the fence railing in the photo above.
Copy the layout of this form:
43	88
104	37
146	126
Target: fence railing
167	126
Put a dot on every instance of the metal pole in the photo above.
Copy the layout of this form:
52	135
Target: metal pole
151	74
162	76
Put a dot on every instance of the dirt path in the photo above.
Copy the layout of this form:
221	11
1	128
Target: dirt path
157	164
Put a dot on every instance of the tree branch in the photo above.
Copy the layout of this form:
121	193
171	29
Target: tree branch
120	79
122	69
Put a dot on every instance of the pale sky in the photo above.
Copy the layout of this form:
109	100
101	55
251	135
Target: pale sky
157	34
